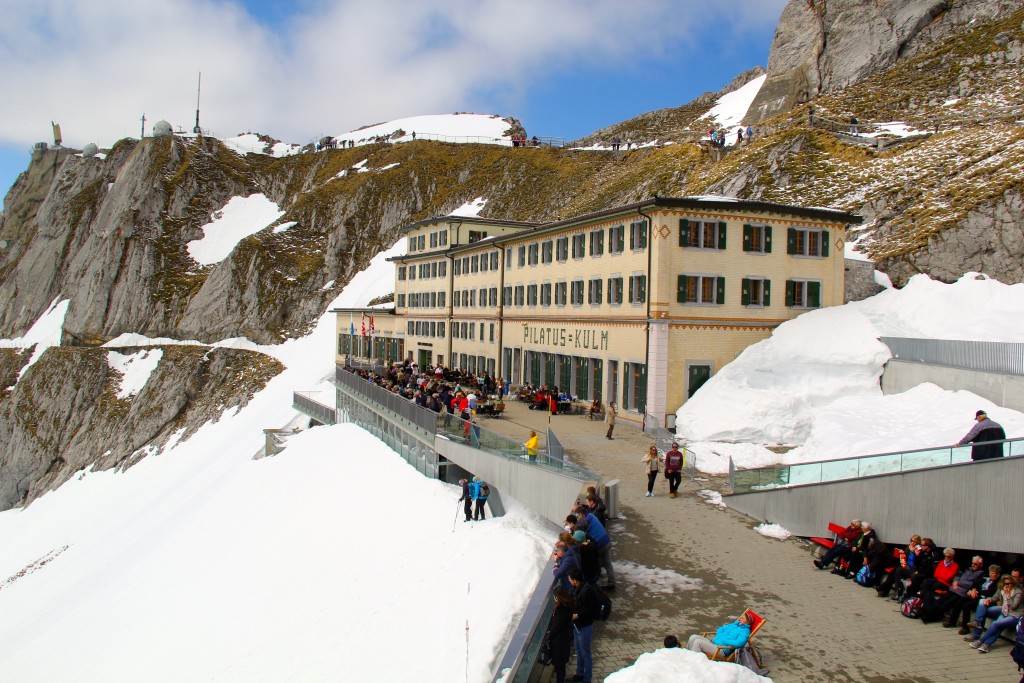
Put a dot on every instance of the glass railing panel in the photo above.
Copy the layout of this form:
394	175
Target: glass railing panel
875	464
831	470
961	454
1015	447
934	457
805	473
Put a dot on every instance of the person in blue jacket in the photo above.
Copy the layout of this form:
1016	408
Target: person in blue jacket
476	490
731	635
584	520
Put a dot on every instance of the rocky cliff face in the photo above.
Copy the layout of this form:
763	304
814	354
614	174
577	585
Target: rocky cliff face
65	415
823	46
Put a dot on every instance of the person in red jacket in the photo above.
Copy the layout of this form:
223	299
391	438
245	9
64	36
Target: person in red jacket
942	577
673	469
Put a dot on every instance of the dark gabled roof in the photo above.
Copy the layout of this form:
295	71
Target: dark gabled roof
698	203
465	219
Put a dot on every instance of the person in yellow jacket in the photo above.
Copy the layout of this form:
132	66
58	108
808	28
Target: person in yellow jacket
532	444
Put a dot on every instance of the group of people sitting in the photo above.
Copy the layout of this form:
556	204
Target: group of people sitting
544	398
583	549
941	590
436	388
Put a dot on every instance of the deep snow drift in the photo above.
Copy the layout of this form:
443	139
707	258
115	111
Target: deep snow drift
814	382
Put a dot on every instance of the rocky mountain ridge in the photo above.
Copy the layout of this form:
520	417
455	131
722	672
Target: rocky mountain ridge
110	233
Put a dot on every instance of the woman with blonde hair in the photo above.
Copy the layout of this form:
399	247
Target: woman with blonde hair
651	461
1006	607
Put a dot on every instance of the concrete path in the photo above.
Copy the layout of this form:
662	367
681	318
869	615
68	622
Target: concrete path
819	627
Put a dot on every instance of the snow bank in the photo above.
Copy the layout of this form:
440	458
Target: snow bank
45	332
772	531
730	109
479	127
378	279
240	217
676	664
250	143
826	364
135	369
471	209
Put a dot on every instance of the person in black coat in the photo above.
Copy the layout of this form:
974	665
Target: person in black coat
585	612
984	430
559	635
924	566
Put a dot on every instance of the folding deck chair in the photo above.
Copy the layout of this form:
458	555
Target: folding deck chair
728	654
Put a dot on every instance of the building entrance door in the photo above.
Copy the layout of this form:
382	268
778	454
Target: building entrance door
696	375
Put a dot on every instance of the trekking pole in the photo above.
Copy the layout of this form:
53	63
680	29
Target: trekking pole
456	520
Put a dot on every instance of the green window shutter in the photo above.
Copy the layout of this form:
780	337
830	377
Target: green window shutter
721	290
813	294
610	290
766	287
824	242
767	239
721	235
632	234
643	288
681	289
745	292
631	281
684	232
643	235
748	235
620	239
790	243
790	292
618	292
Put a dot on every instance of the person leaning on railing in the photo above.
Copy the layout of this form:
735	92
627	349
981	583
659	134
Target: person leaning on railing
985	430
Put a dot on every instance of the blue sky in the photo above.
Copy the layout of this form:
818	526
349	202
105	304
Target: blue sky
303	68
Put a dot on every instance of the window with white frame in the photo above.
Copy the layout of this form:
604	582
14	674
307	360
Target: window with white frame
547	251
616	239
807	242
576	293
755	291
579	245
596	242
637	289
562	248
594	291
757	239
700	289
803	293
561	288
702	234
638	235
615	290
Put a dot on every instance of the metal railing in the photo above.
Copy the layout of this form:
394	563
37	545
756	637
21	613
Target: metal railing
1002	357
403	407
321	412
449	426
776	476
516	666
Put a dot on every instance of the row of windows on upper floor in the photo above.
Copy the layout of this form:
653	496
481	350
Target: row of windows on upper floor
439	239
693	234
460	330
690	289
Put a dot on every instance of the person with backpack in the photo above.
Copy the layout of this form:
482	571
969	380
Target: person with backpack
592	526
673	470
585	613
480	491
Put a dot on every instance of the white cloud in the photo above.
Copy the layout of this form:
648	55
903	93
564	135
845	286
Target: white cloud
95	67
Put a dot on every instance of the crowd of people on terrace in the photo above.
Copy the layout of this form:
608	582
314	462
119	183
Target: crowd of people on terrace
583	550
930	584
438	388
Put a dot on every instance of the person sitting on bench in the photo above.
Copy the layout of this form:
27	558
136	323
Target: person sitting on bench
842	546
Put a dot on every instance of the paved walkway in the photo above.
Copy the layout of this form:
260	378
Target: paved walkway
819	627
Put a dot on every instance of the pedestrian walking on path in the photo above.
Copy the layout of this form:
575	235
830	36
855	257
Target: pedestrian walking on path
651	465
609	417
673	469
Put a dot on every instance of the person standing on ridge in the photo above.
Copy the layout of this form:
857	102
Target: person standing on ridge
984	430
673	469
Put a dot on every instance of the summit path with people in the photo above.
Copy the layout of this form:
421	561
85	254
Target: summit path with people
819	627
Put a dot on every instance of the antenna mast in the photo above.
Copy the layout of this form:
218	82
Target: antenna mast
142	134
197	130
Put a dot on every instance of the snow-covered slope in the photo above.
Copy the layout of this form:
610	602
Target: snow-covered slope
200	563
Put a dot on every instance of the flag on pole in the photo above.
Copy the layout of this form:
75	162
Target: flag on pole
351	325
363	324
372	332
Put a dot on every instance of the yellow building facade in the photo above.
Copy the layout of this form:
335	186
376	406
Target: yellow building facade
637	304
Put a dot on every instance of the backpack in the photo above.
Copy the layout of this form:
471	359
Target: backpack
604	605
864	576
911	607
485	490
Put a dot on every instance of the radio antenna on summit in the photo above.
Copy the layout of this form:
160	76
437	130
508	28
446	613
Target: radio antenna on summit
197	130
